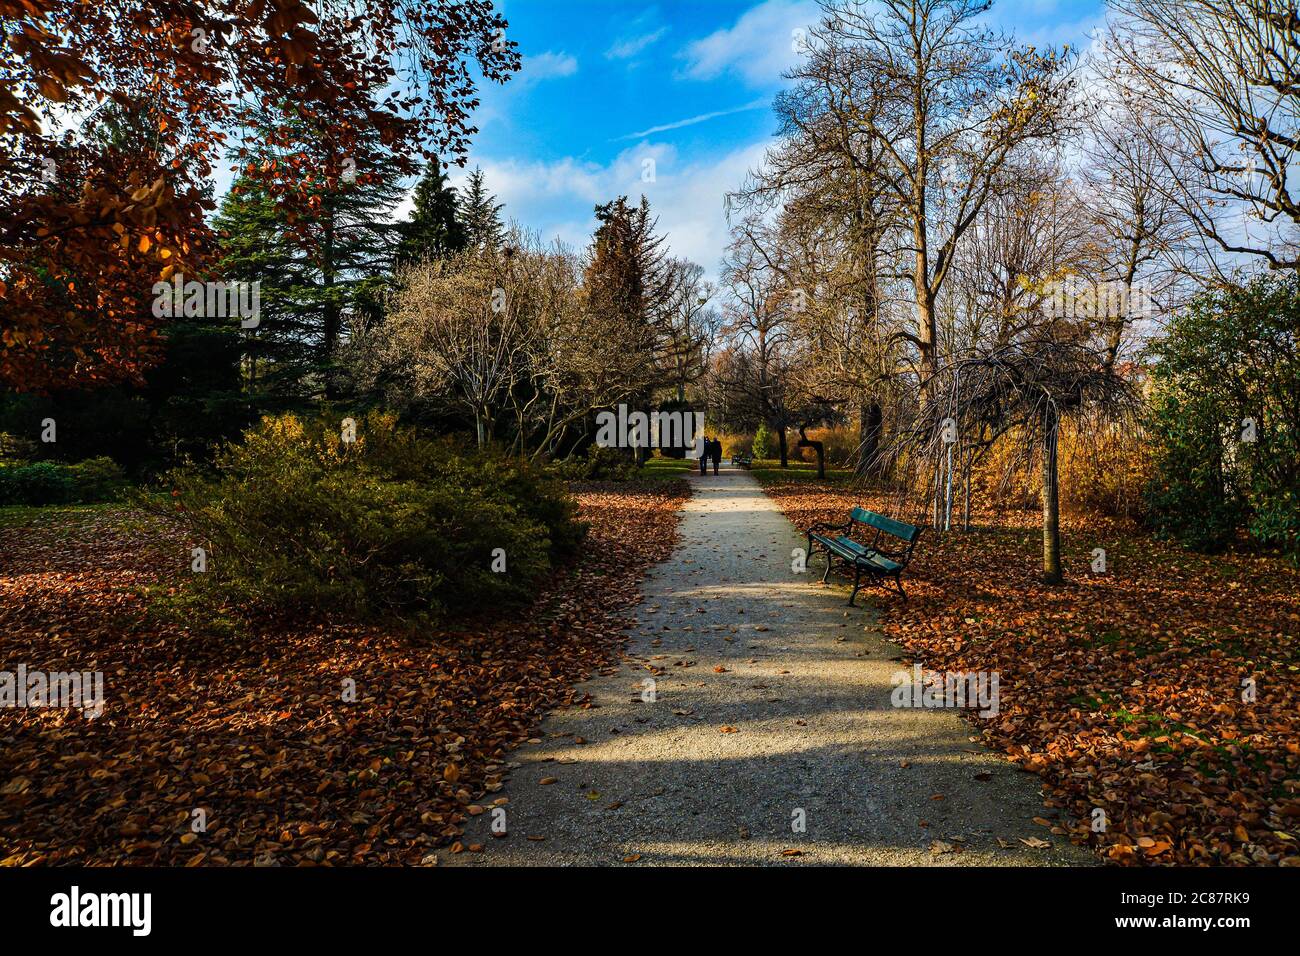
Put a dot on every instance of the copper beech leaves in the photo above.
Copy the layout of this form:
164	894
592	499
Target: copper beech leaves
249	726
183	75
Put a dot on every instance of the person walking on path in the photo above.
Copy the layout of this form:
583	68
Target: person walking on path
716	454
705	452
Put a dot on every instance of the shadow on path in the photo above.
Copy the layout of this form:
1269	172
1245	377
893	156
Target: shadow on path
771	707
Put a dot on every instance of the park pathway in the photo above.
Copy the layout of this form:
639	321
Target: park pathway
744	642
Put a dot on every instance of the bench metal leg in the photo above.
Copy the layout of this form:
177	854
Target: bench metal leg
898	583
857	583
812	550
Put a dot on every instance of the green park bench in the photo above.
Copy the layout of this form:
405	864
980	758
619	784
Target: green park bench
742	461
871	560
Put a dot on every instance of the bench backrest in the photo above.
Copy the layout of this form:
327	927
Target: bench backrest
898	529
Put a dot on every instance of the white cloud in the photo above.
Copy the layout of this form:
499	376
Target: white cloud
687	197
759	47
625	49
545	66
689	202
518	182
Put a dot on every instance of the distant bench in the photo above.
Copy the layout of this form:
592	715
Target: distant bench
871	560
743	461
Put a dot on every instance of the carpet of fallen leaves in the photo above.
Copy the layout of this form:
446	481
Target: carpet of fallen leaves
1122	690
253	729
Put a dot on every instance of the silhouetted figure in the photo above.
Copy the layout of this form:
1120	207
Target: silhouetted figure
716	454
704	455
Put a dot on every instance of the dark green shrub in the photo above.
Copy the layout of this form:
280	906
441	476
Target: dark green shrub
405	454
38	483
1227	372
540	497
97	479
52	483
16	449
599	464
393	523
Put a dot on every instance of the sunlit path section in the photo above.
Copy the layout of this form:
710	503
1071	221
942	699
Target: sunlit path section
752	724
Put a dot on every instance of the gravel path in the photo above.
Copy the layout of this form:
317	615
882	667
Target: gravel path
733	638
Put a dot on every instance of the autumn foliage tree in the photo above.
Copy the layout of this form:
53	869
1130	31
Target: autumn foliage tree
86	229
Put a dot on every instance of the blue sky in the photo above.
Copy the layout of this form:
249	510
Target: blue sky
609	84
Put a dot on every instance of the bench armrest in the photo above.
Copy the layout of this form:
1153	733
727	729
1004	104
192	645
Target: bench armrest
827	526
902	555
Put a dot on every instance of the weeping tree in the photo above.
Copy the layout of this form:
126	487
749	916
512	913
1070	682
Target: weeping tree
1017	392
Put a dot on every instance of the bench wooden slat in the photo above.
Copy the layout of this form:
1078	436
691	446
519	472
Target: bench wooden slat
898	529
850	550
841	546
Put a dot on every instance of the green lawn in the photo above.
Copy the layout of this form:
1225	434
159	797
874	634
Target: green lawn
769	470
765	470
659	469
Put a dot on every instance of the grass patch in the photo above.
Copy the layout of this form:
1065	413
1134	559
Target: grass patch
769	471
666	469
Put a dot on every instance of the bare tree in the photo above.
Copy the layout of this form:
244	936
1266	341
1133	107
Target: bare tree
457	329
825	183
959	103
689	324
757	323
1222	81
1019	391
1033	233
1128	193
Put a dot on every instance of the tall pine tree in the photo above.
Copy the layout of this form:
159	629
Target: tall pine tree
322	253
627	271
434	231
627	283
481	214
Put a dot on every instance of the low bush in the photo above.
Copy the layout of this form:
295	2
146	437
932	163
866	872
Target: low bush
15	449
1105	468
36	483
393	523
51	483
97	479
1005	476
599	464
840	445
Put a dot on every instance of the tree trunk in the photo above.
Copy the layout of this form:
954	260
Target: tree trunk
871	420
785	448
927	333
820	448
1051	502
331	325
